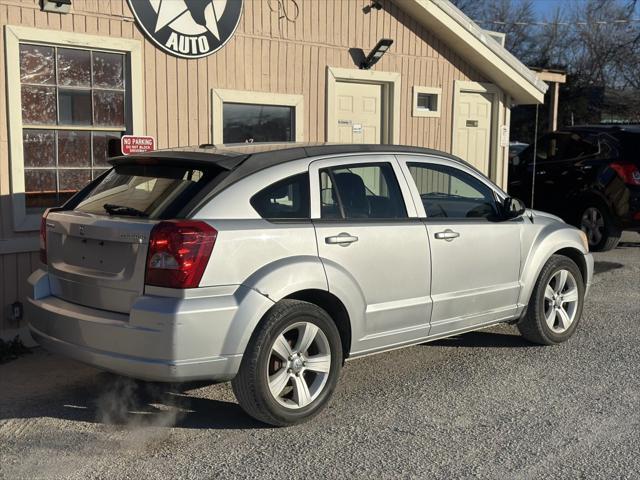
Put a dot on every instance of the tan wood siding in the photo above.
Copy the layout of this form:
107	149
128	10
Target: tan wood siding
267	54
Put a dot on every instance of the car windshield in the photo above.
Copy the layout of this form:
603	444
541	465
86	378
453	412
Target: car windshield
156	191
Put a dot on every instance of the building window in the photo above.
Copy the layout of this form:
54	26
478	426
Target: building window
245	122
240	116
68	94
426	101
73	103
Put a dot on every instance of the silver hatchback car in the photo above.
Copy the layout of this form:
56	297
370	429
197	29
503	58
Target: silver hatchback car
270	265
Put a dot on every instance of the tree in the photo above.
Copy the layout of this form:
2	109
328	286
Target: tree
596	41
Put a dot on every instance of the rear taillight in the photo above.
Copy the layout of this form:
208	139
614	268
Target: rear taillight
628	172
43	237
179	251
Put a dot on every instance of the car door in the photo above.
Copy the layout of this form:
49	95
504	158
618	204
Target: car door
475	255
374	248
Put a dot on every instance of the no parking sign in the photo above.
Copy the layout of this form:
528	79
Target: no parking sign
136	144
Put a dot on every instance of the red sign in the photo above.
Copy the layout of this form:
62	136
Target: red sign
136	144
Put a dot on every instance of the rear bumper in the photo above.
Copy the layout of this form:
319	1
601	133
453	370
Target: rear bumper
150	369
163	339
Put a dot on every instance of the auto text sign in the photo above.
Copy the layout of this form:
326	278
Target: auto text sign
188	28
137	144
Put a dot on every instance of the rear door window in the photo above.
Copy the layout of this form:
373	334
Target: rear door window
287	199
578	146
149	191
361	191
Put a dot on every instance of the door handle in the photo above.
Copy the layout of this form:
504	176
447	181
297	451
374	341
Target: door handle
447	235
343	239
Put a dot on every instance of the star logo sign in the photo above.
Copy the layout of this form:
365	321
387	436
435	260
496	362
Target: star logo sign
188	28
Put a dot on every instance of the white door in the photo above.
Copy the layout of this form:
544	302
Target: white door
475	254
472	129
359	112
374	249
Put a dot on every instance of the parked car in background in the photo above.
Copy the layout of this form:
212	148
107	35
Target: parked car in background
588	175
270	265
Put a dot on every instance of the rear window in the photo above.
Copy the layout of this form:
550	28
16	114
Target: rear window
149	191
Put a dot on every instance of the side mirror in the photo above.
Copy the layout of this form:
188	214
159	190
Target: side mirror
513	207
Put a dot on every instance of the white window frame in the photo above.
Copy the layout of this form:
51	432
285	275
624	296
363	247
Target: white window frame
221	96
14	36
421	112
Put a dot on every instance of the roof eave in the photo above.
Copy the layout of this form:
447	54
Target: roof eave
476	47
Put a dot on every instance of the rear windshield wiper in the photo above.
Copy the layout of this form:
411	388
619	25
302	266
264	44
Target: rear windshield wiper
112	209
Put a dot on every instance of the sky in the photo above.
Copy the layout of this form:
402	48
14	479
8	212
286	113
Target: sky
546	7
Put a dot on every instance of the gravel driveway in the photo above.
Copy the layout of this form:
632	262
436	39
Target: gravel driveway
484	404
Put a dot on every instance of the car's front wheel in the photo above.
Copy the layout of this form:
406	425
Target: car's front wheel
291	365
555	306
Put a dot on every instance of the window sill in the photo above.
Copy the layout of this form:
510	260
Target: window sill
19	245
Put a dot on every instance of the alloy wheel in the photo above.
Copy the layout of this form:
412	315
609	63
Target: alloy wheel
561	301
299	365
592	223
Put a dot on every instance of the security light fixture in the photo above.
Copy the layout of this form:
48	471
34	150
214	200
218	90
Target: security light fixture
55	6
375	4
376	54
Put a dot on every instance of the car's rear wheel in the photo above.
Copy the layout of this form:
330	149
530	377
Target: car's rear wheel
555	306
597	223
291	365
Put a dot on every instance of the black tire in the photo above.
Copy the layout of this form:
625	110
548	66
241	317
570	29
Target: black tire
610	232
533	325
251	386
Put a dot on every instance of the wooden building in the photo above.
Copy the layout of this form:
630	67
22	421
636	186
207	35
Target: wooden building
75	76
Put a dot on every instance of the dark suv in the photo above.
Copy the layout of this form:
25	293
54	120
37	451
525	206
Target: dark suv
588	175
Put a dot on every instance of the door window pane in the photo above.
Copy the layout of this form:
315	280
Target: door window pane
257	123
37	65
38	105
578	146
101	147
40	189
74	107
74	67
287	199
74	149
96	172
361	191
108	70
108	108
73	180
447	192
329	207
39	148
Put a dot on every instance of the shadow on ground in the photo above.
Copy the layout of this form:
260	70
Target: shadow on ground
602	267
483	339
86	395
